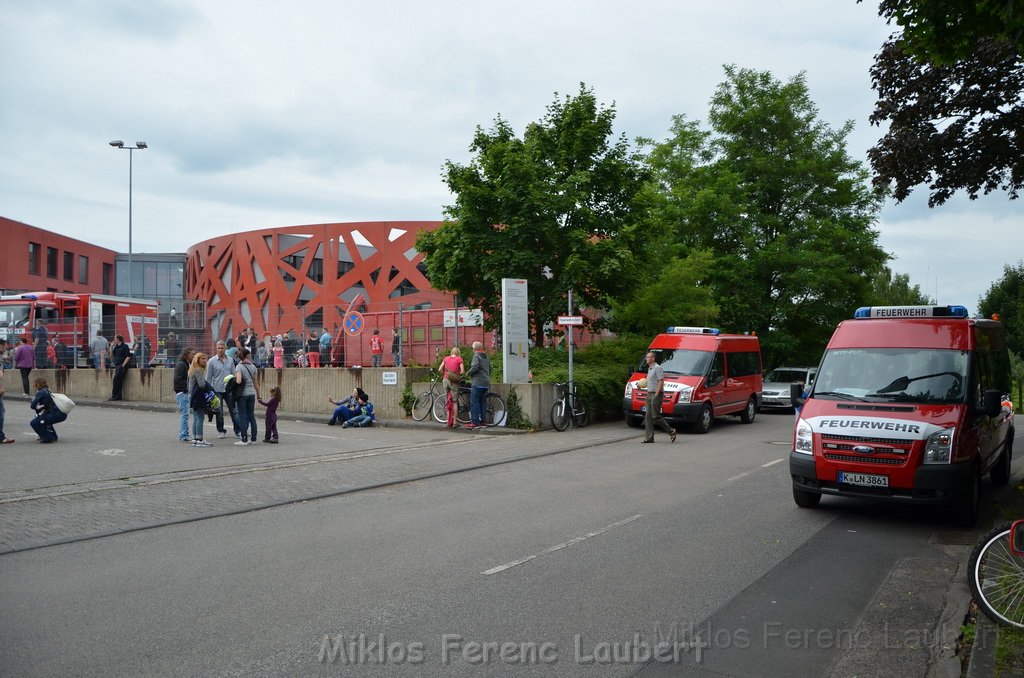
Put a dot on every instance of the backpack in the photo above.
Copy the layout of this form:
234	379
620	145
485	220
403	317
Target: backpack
63	402
205	399
233	387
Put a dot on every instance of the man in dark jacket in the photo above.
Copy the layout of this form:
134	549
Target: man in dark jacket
120	360
181	395
480	373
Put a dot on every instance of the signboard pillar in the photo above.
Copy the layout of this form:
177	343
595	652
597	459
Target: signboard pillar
515	331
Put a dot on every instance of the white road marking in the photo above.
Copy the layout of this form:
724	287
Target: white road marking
772	463
111	453
742	475
558	547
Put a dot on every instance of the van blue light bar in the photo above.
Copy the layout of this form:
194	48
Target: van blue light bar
898	312
694	330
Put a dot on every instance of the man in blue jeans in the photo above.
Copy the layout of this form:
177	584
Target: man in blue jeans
480	375
181	394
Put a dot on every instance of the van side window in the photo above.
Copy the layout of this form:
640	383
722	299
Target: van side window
744	364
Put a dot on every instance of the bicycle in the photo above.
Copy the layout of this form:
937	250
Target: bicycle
569	410
494	407
424	403
996	574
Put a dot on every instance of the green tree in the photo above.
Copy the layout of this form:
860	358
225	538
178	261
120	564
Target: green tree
949	90
888	289
788	215
679	295
1006	297
556	207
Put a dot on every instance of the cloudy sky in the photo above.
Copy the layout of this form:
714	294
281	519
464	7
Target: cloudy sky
261	114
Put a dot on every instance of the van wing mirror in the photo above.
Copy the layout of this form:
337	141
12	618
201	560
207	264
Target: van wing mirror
796	394
992	403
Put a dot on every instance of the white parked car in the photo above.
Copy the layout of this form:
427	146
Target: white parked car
775	392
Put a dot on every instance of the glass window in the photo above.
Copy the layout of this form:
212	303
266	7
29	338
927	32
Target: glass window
34	250
83	269
51	262
69	266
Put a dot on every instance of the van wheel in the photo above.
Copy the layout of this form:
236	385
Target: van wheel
703	423
748	414
1000	473
805	499
967	507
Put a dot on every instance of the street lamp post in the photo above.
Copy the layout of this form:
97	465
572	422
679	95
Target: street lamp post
139	145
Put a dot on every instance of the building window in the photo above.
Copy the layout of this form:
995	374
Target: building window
108	277
33	257
51	262
69	266
83	269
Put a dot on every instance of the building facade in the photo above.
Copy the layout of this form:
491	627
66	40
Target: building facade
36	260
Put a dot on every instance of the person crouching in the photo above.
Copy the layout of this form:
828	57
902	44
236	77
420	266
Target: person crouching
47	413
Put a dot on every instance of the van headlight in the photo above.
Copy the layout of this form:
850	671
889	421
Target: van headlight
803	438
685	395
939	449
629	391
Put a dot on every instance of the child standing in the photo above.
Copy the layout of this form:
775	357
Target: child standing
270	423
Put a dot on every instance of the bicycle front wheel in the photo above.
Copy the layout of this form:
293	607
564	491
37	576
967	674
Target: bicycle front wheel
997	578
560	416
463	415
494	410
580	413
421	407
440	408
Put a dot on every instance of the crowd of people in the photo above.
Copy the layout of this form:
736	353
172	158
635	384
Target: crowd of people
206	387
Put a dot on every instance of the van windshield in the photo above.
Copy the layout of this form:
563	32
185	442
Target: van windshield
680	362
893	375
14	315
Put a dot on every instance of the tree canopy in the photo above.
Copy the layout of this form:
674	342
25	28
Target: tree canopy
1006	297
557	207
949	86
788	216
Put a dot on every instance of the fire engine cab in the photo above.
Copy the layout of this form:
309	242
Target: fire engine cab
77	317
909	405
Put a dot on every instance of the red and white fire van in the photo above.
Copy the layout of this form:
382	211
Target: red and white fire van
909	405
707	374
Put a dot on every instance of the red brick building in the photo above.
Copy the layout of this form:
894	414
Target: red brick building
36	260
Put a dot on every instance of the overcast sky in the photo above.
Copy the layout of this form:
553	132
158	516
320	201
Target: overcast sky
262	114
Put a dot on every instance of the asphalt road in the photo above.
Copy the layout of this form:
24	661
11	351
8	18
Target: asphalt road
425	552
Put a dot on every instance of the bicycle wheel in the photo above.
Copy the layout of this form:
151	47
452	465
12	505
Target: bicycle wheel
421	407
580	413
560	418
440	408
463	414
997	578
494	410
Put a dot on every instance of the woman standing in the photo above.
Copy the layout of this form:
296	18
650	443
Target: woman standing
245	374
47	413
278	353
452	368
196	384
25	361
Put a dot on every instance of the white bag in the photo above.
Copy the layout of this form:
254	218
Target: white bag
63	402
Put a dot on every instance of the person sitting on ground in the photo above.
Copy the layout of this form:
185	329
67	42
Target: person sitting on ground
365	416
47	413
346	408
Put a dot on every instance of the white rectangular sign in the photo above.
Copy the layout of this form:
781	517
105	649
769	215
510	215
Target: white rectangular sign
515	331
468	317
570	320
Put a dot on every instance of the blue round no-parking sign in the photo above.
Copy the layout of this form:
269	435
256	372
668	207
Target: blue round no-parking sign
353	323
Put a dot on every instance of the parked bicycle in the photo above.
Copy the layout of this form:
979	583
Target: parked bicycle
569	410
996	574
494	407
424	403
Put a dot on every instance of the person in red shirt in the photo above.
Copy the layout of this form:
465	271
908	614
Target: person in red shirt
376	348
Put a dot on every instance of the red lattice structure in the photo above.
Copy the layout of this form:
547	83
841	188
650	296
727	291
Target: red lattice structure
302	278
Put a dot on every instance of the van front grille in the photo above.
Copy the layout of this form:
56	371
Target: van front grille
864	459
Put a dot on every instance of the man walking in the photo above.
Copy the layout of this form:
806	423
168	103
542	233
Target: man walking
121	360
25	361
480	374
181	394
652	414
219	366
